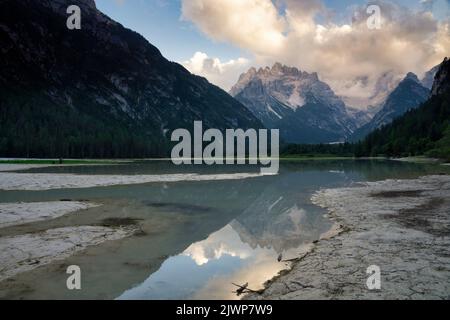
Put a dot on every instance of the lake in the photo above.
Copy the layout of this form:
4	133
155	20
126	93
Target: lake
196	238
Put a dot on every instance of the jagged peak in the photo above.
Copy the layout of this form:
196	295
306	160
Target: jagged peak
442	78
278	70
428	78
412	76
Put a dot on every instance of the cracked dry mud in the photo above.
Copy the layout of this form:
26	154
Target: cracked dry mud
12	214
26	252
402	226
11	181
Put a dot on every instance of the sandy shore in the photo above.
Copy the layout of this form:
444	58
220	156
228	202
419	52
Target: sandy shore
12	214
401	226
29	251
46	181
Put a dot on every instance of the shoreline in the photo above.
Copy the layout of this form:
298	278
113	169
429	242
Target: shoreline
25	252
402	226
18	167
11	181
14	214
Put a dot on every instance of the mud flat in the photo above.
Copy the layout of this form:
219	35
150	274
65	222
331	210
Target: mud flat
18	167
12	214
402	226
29	251
32	249
48	181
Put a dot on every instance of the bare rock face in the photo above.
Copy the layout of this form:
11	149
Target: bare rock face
442	79
428	79
305	109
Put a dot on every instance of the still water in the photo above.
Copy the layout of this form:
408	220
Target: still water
196	238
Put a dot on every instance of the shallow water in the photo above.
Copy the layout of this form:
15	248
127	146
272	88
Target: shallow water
197	237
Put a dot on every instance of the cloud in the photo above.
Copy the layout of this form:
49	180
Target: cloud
223	242
289	31
222	74
250	24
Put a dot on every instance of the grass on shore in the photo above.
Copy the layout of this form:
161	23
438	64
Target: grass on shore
304	157
57	161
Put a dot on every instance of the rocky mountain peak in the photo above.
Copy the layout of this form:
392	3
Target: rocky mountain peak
412	76
279	69
409	94
442	79
304	108
428	78
275	74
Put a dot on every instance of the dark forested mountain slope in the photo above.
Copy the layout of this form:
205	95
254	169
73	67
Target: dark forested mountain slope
102	91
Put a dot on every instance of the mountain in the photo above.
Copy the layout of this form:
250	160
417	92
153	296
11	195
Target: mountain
360	117
441	83
428	79
384	86
304	108
409	94
366	107
102	91
425	130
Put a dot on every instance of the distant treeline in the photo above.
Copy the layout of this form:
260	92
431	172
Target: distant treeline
55	132
312	150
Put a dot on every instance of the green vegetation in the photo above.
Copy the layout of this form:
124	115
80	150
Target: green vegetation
313	158
35	127
424	131
318	151
56	161
421	132
442	147
27	131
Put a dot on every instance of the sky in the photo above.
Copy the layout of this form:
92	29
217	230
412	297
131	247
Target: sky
221	39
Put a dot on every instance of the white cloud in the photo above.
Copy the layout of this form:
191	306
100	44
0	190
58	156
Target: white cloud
250	24
341	53
223	242
222	74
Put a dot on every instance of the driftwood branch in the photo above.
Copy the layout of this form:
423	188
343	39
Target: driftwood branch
241	289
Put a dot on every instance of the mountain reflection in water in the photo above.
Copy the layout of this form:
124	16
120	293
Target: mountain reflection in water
246	250
195	238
